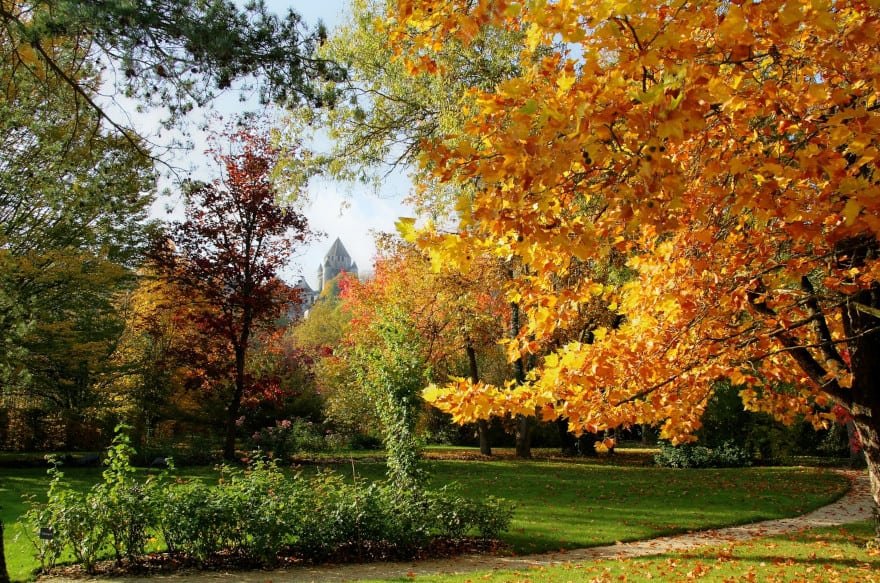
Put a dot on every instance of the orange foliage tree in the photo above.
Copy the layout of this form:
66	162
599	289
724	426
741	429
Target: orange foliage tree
729	150
439	317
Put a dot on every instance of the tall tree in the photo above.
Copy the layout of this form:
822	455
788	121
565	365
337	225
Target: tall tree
73	199
228	251
449	317
729	150
388	350
73	204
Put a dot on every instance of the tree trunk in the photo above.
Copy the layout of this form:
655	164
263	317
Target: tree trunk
523	426
482	424
234	405
861	326
523	436
870	438
856	456
566	438
4	574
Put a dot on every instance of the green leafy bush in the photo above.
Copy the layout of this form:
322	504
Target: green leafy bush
689	455
290	436
126	515
259	512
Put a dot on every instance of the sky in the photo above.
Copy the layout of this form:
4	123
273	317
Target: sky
343	210
347	211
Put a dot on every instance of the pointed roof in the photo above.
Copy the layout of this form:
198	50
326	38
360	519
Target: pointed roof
304	285
337	250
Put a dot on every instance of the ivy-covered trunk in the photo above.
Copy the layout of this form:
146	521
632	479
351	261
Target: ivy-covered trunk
394	370
4	574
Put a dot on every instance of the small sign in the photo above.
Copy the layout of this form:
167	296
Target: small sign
47	533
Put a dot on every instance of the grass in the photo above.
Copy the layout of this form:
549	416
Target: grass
828	555
560	504
565	505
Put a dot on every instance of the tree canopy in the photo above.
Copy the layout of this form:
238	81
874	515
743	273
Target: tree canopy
728	150
175	55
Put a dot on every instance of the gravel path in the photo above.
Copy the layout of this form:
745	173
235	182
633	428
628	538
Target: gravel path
855	506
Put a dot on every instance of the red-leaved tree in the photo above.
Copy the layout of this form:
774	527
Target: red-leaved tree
229	250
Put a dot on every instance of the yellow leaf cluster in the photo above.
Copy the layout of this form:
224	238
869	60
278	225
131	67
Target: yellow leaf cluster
724	152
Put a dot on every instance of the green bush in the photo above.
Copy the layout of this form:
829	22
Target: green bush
730	455
288	437
191	520
456	516
492	516
257	511
127	512
263	504
689	455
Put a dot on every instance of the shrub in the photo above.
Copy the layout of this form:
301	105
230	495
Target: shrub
730	455
41	521
688	455
262	502
492	516
455	516
127	511
288	437
192	519
257	511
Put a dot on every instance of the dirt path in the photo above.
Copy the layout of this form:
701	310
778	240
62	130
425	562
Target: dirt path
855	506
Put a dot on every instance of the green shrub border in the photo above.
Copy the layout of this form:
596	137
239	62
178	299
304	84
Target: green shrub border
258	512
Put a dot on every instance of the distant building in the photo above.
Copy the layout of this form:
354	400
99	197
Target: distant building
307	297
336	261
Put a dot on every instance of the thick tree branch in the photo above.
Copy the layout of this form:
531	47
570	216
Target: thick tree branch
826	343
801	355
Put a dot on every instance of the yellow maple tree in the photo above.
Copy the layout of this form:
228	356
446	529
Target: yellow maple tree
729	150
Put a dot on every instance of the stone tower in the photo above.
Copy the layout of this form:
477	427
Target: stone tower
336	261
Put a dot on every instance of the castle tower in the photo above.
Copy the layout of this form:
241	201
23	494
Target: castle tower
336	261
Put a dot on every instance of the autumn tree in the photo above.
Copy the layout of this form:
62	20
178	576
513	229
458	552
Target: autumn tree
388	354
729	151
321	336
158	356
392	107
229	250
449	319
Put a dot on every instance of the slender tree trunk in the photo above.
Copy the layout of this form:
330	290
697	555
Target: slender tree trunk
234	404
566	437
4	574
482	424
523	436
523	426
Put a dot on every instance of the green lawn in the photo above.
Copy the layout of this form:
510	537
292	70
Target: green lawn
559	504
574	505
832	555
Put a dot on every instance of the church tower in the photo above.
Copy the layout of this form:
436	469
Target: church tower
336	261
